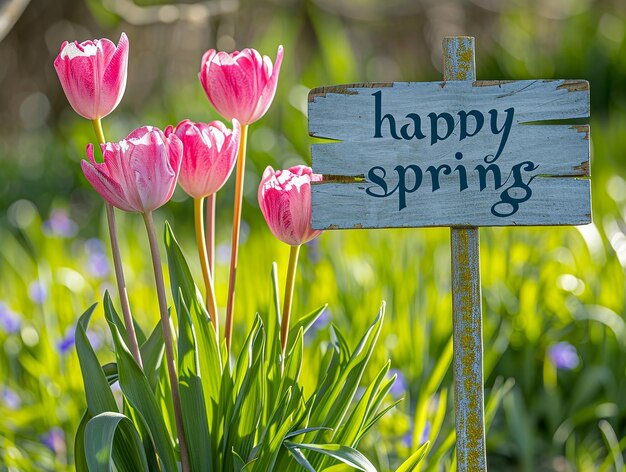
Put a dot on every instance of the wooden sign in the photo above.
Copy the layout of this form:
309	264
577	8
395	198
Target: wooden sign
456	153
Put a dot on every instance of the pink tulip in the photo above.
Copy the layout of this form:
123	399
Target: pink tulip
285	200
139	173
209	155
93	75
242	84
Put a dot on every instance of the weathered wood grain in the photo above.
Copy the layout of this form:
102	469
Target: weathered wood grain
558	150
554	201
345	112
459	63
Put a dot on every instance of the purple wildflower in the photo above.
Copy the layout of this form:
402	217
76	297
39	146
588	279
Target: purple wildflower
59	224
10	399
319	324
98	265
65	344
407	439
314	250
400	385
95	339
97	261
10	322
322	321
38	291
564	356
425	433
54	439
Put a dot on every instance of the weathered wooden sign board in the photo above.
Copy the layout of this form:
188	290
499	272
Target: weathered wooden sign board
454	153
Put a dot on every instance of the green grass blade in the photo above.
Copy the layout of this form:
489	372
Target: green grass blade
412	462
345	454
300	458
305	324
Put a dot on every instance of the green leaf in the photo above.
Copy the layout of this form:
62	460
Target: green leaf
273	348
338	468
305	324
238	462
182	284
138	393
99	395
100	433
330	409
298	432
300	458
345	454
412	462
152	351
80	461
357	420
191	395
139	334
243	419
272	438
293	365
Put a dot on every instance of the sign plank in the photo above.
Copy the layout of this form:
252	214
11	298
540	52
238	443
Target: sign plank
450	154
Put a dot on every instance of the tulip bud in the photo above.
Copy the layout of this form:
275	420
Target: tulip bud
285	200
93	75
240	85
209	155
139	173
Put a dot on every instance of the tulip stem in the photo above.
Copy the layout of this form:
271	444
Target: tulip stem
289	285
211	303
117	264
210	232
241	163
97	127
167	338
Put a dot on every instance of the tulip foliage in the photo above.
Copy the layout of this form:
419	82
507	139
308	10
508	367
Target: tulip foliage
188	401
251	417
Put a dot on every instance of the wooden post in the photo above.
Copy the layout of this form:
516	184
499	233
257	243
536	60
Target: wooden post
459	64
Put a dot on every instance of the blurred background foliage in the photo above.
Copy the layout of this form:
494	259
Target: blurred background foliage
554	299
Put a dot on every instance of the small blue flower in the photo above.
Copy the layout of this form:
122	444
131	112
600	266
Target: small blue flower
407	439
399	387
54	439
59	224
65	344
319	324
38	292
97	260
425	432
322	321
94	245
314	250
10	399
98	265
95	339
10	322
564	356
